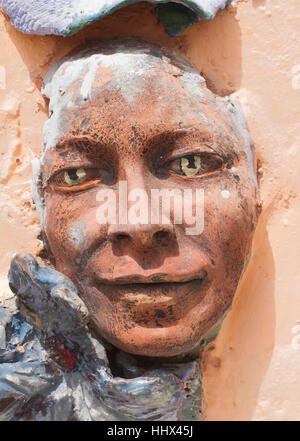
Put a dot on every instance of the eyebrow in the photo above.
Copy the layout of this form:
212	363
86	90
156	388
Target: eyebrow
78	142
87	143
220	143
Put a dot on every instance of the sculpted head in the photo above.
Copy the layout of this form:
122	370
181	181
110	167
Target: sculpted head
124	120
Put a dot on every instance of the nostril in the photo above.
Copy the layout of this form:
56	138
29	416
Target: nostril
204	275
122	237
162	237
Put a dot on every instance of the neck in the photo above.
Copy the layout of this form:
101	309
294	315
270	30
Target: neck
174	383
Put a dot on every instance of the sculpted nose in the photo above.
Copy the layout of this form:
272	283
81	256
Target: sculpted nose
142	236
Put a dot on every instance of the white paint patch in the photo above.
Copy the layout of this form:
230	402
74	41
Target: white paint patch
191	81
36	190
129	72
77	235
296	77
225	194
57	87
90	76
2	78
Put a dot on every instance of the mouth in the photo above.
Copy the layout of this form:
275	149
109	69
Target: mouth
154	279
145	293
153	305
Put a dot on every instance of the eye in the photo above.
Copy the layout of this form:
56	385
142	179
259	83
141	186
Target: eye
190	165
77	179
194	166
75	176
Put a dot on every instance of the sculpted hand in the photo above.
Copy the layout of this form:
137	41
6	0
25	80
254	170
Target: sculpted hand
49	297
39	343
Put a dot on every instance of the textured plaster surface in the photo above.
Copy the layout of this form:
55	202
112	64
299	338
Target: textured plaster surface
252	370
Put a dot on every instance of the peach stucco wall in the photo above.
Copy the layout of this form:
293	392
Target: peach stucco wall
252	371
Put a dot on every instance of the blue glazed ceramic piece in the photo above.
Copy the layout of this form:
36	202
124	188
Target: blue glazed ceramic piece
66	17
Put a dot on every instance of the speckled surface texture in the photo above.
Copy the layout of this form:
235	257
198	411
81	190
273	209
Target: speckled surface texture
72	15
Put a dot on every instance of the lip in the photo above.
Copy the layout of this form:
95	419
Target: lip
156	278
171	298
140	295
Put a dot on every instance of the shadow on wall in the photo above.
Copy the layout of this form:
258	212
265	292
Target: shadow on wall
213	47
234	366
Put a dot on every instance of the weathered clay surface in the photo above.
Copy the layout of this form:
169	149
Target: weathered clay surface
125	113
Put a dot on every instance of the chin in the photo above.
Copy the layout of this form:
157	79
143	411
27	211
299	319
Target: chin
164	342
163	324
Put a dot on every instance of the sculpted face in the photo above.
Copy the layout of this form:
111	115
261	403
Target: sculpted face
146	119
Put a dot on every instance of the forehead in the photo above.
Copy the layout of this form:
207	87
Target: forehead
125	77
141	89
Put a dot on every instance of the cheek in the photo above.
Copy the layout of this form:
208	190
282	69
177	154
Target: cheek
229	221
72	229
